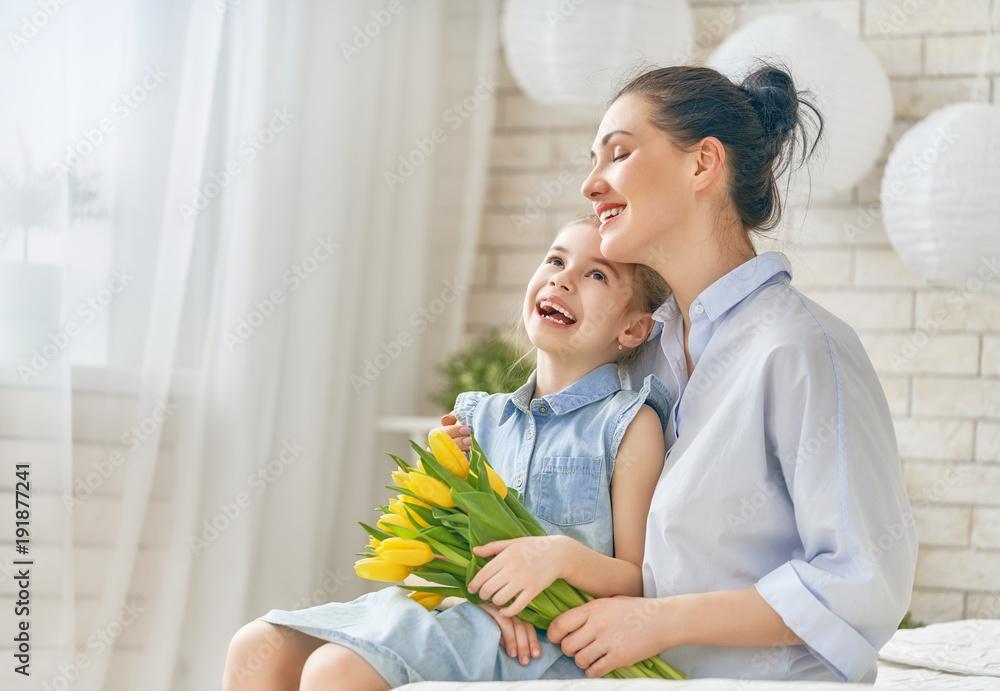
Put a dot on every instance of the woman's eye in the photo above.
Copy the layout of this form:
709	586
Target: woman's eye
619	157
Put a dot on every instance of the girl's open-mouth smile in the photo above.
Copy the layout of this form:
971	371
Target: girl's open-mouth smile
554	311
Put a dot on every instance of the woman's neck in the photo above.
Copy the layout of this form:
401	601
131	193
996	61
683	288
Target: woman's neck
554	372
693	269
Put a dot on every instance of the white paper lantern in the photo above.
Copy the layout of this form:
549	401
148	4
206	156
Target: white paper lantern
571	53
941	195
849	86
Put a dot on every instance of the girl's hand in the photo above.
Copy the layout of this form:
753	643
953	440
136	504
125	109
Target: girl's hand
458	432
518	637
519	570
612	632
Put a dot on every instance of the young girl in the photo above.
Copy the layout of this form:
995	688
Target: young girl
585	456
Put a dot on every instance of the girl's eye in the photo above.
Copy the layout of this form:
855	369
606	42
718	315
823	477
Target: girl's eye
554	260
599	276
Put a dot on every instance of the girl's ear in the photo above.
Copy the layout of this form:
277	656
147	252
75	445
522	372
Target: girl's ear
637	332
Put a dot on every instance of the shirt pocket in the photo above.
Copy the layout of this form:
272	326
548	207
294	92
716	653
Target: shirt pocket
567	489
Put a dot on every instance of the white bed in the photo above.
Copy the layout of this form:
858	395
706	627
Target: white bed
954	656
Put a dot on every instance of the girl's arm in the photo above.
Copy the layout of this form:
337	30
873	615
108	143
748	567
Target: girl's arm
637	468
524	567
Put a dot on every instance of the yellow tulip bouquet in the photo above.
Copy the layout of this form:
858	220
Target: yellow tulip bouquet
447	505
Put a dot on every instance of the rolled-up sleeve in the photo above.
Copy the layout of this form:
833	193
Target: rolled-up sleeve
830	429
466	404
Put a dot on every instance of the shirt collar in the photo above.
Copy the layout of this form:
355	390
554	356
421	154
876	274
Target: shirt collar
728	291
593	386
735	286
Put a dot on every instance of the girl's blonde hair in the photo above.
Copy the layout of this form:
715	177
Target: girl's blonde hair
649	291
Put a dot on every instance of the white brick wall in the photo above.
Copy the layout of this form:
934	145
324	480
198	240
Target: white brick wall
937	350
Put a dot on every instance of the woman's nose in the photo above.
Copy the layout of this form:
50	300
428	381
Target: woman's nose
594	186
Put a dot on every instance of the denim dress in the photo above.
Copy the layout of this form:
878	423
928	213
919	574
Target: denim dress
558	452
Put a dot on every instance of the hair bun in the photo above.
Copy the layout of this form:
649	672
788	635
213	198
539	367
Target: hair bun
775	99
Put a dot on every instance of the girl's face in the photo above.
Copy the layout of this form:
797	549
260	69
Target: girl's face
577	302
641	177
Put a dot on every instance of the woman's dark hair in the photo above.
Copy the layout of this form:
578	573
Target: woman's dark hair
758	121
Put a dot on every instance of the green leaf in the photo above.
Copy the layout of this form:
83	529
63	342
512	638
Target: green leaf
566	594
460	557
439	577
444	566
437	471
448	537
403	465
526	518
534	618
421	511
458	520
489	518
375	532
400	531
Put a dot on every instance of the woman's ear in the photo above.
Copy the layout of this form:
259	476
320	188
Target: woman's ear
710	160
636	333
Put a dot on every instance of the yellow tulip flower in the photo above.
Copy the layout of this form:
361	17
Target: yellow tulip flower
394	519
397	550
448	454
496	482
406	498
430	601
373	544
377	569
396	506
430	490
401	478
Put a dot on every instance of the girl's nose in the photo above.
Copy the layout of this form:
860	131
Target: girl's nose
594	186
560	281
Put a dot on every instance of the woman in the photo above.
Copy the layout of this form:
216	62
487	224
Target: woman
780	543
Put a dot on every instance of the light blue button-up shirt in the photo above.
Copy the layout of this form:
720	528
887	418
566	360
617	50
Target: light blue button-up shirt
782	472
559	451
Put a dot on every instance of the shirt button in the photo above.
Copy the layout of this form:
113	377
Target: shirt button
698	309
542	409
517	483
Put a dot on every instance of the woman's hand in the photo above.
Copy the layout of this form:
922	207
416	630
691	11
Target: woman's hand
612	632
458	432
519	570
518	637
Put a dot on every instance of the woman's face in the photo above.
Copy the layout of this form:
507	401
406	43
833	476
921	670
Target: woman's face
642	177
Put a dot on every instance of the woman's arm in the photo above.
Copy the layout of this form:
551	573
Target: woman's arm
606	634
523	567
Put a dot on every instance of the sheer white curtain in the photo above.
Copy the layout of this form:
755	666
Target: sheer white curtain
233	235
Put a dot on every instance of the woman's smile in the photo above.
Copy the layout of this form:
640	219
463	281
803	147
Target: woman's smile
608	212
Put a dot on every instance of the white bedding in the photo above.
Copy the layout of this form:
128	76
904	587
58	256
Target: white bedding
637	685
954	656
